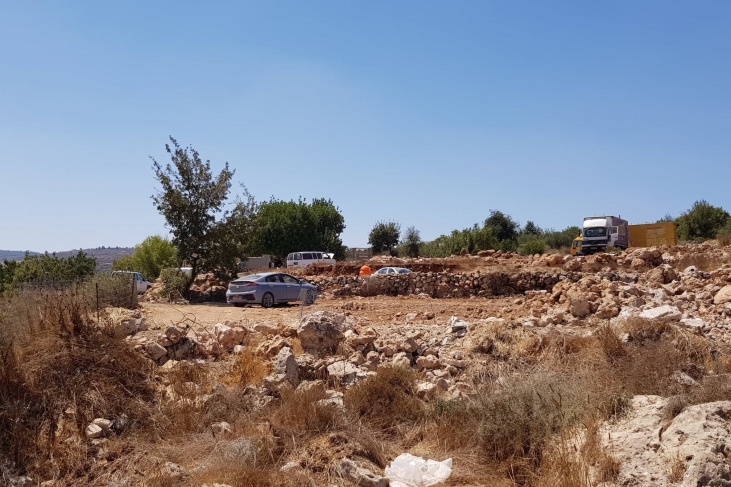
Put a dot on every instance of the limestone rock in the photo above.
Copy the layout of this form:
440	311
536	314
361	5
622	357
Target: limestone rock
578	304
285	364
361	476
723	296
662	313
321	332
344	372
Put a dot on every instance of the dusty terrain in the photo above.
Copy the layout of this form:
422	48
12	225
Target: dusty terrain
548	370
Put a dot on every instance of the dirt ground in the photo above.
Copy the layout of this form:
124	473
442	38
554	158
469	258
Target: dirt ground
375	311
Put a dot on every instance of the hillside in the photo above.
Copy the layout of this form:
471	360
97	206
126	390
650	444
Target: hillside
104	255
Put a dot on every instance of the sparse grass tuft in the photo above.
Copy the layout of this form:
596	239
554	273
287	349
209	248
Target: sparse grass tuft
387	399
247	369
305	412
676	469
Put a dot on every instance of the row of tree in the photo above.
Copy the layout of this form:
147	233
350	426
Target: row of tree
702	221
44	268
211	234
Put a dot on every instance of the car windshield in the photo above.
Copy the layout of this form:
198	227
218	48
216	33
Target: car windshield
595	232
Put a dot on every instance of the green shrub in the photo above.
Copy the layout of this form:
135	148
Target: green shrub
532	247
174	280
724	234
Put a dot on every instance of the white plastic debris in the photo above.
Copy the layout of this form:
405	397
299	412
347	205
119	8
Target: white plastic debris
408	470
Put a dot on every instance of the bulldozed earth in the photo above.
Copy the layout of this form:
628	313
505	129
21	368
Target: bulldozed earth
549	370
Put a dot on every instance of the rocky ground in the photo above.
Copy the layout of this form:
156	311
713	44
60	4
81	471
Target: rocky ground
459	323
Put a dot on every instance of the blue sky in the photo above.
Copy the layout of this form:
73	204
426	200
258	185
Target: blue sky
426	113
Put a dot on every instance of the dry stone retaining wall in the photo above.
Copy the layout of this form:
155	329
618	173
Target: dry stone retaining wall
444	284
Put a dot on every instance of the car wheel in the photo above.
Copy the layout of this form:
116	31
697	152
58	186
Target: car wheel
310	297
268	300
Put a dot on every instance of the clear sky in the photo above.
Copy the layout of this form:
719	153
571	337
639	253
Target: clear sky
425	113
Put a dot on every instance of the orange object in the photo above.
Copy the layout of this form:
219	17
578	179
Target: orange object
365	271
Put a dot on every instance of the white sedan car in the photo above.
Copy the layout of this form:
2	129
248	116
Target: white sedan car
391	271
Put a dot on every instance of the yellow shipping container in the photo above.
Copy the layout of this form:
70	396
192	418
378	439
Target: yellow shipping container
653	234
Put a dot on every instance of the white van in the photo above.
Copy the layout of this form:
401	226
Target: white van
141	284
303	259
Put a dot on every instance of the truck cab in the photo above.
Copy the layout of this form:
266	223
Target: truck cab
600	232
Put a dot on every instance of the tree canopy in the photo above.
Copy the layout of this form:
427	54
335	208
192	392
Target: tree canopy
384	236
412	241
288	226
504	229
702	221
45	267
150	257
192	201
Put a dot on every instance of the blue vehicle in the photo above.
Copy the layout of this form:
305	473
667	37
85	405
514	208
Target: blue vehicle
268	289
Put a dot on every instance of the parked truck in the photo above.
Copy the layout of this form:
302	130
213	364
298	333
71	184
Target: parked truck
600	232
643	235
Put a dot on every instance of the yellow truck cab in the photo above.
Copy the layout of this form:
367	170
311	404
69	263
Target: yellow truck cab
576	245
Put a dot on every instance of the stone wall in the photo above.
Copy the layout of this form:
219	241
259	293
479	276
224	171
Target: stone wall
443	284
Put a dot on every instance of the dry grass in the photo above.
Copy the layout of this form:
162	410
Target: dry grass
533	419
246	476
72	372
305	413
387	400
676	468
248	369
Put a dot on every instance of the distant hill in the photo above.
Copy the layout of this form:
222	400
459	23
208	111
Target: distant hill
104	255
14	254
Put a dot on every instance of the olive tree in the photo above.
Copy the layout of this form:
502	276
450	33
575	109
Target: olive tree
384	237
288	226
192	201
702	221
412	241
150	257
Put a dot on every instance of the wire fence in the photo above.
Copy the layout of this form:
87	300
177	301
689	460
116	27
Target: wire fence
99	292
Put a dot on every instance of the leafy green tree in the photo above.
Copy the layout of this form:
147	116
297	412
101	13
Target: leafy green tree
50	267
702	221
384	236
504	229
532	246
282	227
150	257
471	240
412	241
558	239
668	218
192	201
531	229
7	274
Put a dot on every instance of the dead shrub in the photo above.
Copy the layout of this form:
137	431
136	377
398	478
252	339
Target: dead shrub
650	369
676	468
518	422
182	407
305	412
387	399
247	369
644	329
72	372
248	476
562	466
674	406
610	343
